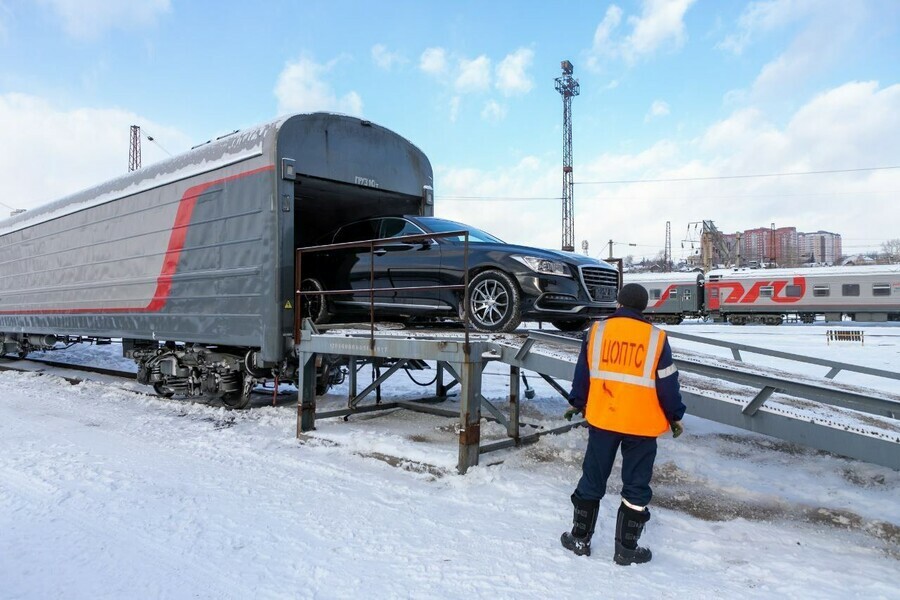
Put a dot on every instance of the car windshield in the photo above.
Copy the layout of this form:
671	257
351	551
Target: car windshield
435	225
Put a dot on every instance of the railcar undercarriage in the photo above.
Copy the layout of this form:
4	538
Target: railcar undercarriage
197	370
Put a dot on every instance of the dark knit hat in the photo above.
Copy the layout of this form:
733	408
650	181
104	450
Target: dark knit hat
633	296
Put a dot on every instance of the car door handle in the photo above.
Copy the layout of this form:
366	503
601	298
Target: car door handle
379	252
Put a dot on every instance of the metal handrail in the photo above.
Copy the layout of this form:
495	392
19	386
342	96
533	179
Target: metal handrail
834	365
371	245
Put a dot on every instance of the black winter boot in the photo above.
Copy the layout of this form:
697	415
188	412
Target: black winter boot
583	521
629	526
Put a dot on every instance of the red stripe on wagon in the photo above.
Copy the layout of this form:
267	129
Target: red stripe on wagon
170	261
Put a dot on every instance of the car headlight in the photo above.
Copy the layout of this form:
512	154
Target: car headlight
543	265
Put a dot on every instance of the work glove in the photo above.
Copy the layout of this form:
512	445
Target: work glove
571	413
677	428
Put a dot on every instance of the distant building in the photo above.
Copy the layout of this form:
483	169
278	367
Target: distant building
784	247
771	246
821	247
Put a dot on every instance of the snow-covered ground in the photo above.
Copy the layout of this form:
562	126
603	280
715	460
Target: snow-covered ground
109	492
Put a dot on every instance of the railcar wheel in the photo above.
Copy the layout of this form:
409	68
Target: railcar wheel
312	306
576	325
238	399
22	354
494	302
162	390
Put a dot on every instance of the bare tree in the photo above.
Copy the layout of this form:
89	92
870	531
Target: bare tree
892	248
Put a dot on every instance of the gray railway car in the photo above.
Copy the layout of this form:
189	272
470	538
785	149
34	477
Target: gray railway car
868	293
191	261
673	296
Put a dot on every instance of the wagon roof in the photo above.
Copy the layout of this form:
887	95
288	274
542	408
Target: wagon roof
673	277
228	149
889	270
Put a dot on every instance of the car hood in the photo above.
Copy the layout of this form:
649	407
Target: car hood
570	258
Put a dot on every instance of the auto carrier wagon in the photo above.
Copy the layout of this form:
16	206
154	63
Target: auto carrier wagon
191	260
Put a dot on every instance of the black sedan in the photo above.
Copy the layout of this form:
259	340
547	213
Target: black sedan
507	283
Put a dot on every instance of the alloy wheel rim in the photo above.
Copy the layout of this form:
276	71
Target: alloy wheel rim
490	302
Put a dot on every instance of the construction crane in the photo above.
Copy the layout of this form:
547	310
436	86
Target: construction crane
134	150
714	249
568	87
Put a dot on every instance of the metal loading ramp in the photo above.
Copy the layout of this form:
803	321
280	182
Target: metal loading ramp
814	412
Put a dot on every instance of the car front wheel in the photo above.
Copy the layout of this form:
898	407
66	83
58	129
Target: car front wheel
494	302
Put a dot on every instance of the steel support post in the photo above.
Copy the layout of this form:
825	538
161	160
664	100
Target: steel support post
512	428
439	389
351	367
469	376
306	388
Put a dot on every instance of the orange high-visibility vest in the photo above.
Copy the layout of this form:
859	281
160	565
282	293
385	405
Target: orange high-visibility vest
623	354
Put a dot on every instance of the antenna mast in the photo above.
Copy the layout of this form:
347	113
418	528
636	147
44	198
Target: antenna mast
568	87
134	151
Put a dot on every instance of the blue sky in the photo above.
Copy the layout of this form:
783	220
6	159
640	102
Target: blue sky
679	89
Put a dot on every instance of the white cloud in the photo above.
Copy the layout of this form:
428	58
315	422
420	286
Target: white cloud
762	17
301	88
524	222
493	111
512	72
50	152
661	24
603	34
386	59
473	75
659	108
433	61
462	76
88	19
823	40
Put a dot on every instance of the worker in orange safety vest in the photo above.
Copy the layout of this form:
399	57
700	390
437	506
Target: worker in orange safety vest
626	385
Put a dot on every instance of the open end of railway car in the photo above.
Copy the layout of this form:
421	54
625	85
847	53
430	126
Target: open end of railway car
323	206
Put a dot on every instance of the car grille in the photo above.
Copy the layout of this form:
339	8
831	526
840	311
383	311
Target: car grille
599	283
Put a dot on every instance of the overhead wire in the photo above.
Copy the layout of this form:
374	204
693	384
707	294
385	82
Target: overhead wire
758	175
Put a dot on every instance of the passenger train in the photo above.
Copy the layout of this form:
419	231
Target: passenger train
769	296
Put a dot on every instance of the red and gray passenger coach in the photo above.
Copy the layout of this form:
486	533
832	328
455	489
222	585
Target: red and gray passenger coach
866	293
191	260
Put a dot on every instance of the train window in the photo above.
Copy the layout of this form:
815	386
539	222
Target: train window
881	289
714	293
655	293
766	291
793	291
820	291
673	293
850	289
